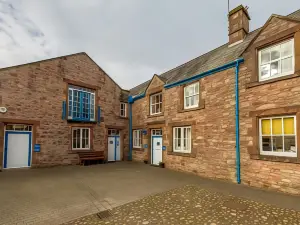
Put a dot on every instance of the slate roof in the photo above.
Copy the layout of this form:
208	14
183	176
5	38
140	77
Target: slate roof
207	61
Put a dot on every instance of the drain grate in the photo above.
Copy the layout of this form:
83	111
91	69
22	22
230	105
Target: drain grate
233	204
104	214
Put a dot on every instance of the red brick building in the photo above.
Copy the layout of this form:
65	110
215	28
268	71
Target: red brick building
232	113
53	109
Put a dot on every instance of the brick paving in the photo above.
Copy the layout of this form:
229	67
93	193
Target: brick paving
194	205
57	195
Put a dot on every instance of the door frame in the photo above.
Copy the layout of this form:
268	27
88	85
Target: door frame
6	147
152	137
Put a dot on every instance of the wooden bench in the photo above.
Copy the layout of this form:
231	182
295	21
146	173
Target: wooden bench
90	156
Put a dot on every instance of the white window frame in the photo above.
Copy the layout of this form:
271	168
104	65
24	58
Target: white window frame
18	127
155	103
189	145
280	60
113	132
81	131
288	154
137	138
156	132
193	96
123	110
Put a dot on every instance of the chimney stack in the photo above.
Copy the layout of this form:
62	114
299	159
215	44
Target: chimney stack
238	24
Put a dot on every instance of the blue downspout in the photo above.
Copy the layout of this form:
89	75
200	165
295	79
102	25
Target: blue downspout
237	122
130	101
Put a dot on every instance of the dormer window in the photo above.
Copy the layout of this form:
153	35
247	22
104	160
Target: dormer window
276	61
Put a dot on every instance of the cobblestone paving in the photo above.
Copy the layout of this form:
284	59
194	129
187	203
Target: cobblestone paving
194	205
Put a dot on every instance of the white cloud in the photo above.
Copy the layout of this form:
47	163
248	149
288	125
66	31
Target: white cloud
21	41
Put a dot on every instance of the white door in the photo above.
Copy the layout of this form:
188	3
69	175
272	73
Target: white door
156	149
118	152
17	150
111	149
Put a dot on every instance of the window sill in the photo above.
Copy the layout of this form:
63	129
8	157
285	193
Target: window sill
122	117
82	121
137	149
258	83
272	158
155	115
191	155
191	109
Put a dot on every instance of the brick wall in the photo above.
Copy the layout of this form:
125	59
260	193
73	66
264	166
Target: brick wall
214	129
285	93
35	92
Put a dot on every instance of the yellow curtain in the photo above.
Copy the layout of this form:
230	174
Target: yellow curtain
277	126
288	124
266	127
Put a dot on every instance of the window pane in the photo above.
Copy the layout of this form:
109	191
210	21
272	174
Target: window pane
153	109
277	144
156	98
288	124
290	144
70	102
286	49
178	144
266	143
197	88
275	68
74	139
192	100
189	138
287	65
196	100
277	126
275	53
87	133
191	89
178	133
9	127
187	103
265	57
157	110
186	91
266	127
265	71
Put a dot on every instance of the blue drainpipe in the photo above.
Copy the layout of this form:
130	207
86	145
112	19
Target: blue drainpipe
130	101
237	122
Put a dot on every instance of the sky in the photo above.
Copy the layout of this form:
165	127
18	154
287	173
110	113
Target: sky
130	39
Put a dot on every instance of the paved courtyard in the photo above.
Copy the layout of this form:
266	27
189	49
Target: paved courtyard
193	205
134	192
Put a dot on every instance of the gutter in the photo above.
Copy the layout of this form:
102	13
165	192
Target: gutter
204	74
232	64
